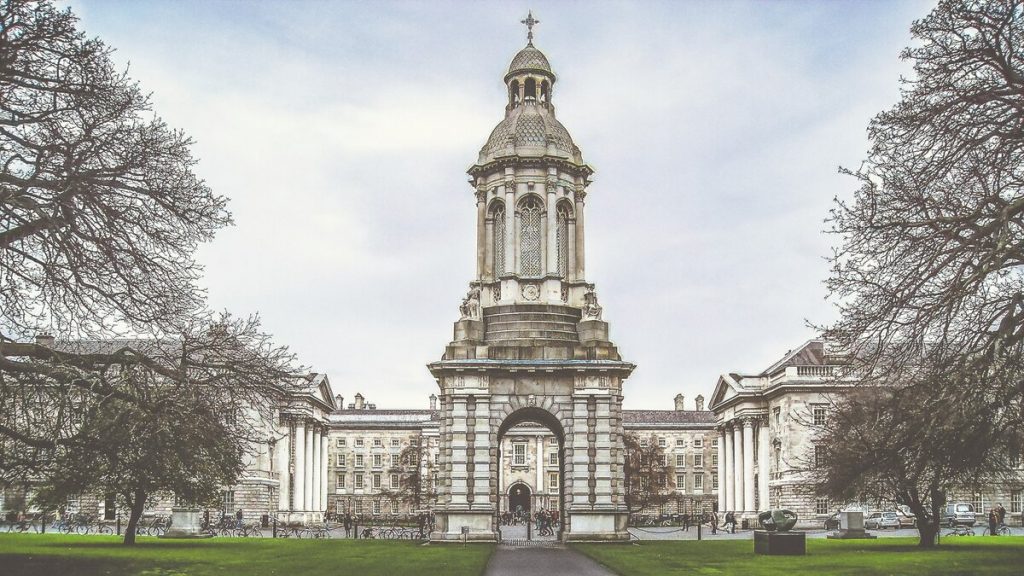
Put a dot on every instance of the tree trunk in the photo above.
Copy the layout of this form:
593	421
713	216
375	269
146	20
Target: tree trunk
138	504
928	530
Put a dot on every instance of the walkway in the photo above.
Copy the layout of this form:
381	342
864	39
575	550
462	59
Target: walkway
542	562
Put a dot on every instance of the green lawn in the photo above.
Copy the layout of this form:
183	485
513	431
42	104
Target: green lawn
59	555
896	556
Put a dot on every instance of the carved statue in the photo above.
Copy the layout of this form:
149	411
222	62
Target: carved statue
591	309
470	307
778	520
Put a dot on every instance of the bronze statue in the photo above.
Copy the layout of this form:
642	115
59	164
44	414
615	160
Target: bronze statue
777	520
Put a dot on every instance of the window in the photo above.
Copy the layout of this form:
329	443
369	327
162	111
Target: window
227	499
714	482
341	480
359	460
377	442
681	483
519	454
342	442
714	443
819	415
553	482
395	442
562	214
979	504
394	481
1016	501
698	460
530	210
553	441
680	460
498	214
341	460
820	456
437	457
821	506
395	460
644	441
378	460
359	442
662	442
777	413
698	442
359	481
698	483
714	458
553	458
376	507
376	481
681	442
359	506
664	459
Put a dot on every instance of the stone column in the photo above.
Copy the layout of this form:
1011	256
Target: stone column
729	488
299	497
482	454
489	249
481	233
283	460
459	455
580	195
571	268
720	471
580	496
748	465
552	220
314	473
325	443
307	495
763	473
738	451
540	463
511	233
603	453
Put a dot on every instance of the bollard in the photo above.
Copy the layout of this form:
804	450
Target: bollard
699	526
275	526
118	523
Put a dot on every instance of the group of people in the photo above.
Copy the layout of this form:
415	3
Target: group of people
996	518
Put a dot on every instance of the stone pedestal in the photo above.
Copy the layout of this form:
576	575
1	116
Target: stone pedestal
851	527
469	329
592	331
780	543
459	526
186	523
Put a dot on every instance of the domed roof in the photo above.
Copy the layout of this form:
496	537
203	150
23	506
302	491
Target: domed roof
530	130
529	58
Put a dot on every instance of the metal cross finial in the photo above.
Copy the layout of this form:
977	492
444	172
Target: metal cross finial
529	21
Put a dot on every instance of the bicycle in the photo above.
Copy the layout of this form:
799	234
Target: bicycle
1001	530
959	530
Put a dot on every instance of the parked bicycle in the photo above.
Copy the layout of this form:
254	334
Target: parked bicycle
1001	530
961	530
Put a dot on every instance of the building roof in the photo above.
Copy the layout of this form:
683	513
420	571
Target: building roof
530	129
530	59
662	417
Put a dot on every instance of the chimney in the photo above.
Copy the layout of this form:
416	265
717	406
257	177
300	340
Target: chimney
45	339
700	402
679	403
433	401
359	401
339	400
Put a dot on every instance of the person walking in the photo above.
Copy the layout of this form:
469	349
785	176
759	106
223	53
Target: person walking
714	522
348	525
1001	513
993	522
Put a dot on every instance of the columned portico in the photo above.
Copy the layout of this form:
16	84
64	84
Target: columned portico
763	473
722	507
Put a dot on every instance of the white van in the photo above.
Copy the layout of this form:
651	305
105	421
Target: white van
960	513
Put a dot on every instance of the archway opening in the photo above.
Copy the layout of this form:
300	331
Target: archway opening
531	470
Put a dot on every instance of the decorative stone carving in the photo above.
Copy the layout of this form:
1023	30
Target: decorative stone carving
591	309
565	293
551	185
580	194
481	195
470	307
531	292
496	291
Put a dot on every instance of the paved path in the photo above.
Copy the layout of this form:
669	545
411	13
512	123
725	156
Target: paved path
542	562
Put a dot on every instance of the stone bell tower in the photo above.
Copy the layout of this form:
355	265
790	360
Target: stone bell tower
531	344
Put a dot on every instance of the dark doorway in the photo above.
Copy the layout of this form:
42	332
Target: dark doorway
519	499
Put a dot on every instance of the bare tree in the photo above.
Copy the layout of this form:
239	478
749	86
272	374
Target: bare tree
649	480
414	483
929	277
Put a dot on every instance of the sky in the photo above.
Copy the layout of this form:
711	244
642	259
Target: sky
342	131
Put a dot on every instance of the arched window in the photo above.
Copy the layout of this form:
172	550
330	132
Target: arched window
498	214
513	92
531	89
544	91
562	216
530	216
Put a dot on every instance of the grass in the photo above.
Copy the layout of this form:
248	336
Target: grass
895	556
63	555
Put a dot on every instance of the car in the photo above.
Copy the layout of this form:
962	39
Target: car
959	514
832	522
879	520
906	518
